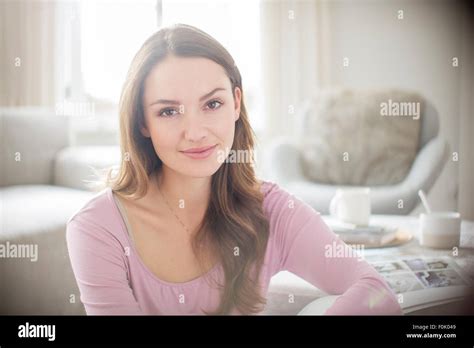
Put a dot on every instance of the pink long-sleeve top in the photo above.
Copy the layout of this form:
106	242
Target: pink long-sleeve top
112	278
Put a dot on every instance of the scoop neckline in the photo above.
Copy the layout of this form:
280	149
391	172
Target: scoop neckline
140	261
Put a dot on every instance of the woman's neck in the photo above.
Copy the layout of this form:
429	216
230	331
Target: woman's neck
181	191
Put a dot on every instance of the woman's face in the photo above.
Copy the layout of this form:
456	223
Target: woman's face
188	104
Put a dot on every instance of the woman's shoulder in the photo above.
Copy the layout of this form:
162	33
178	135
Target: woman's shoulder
95	208
97	221
267	186
99	214
272	192
275	199
280	204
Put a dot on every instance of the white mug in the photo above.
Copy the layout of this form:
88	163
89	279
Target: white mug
351	205
440	229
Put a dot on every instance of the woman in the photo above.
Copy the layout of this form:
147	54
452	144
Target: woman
178	230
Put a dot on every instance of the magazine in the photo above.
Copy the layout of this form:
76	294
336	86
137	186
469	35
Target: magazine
425	282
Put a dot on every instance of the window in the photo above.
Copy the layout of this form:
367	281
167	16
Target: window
236	25
113	31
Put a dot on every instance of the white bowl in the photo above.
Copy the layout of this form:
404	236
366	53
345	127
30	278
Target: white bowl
440	230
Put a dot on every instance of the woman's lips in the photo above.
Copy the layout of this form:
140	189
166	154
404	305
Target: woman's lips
199	149
202	154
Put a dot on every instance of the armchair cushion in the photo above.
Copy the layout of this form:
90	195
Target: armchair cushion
364	138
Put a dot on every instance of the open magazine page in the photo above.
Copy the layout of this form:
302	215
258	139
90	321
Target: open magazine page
425	281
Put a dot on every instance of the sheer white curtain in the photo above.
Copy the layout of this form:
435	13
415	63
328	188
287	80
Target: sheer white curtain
290	61
27	53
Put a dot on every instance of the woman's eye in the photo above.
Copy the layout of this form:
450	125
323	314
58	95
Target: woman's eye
215	104
167	112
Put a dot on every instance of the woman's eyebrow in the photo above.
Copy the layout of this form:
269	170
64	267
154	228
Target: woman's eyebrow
176	102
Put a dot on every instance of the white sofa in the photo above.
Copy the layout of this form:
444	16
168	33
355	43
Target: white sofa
41	186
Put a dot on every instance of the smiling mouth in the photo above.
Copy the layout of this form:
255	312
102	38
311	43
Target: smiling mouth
200	154
199	150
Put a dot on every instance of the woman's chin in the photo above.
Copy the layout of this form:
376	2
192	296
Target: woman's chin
201	170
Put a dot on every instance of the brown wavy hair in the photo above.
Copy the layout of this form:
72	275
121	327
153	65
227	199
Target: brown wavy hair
234	217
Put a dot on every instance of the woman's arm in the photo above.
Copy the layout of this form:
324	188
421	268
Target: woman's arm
309	249
99	265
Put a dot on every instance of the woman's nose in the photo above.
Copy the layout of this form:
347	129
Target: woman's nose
194	129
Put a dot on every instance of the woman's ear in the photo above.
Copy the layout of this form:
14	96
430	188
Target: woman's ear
144	130
237	100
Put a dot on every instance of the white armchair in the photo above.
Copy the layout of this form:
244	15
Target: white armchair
282	164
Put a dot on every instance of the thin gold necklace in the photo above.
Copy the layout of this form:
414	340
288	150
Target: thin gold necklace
171	209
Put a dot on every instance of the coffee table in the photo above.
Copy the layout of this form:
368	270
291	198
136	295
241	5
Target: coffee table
285	283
